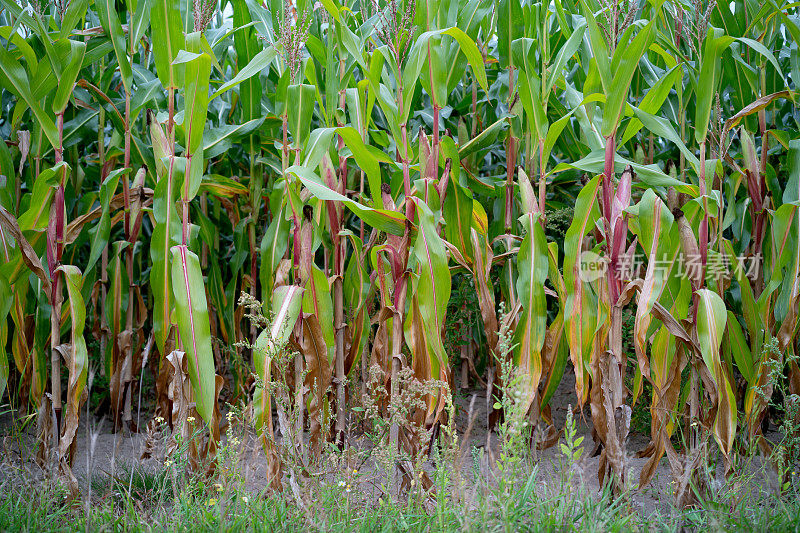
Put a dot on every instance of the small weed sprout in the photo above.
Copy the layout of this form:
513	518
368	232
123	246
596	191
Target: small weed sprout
571	449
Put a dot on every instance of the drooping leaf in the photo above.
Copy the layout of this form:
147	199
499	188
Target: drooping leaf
381	219
286	302
529	334
581	314
76	356
711	319
191	312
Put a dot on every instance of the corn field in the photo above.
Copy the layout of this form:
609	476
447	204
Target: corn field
200	199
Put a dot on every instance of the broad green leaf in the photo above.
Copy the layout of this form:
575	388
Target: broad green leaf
191	312
711	320
647	175
220	139
109	20
586	212
625	61
417	56
247	47
75	13
510	25
319	142
165	235
664	129
457	213
198	74
259	62
707	79
653	100
69	74
140	23
368	159
16	80
38	212
100	233
286	306
383	220
273	248
167	30
431	294
483	140
532	265
300	100
222	186
739	348
564	54
599	50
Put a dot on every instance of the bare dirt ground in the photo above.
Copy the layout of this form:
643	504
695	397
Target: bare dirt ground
100	451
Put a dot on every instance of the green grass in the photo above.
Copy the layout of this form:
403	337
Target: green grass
48	507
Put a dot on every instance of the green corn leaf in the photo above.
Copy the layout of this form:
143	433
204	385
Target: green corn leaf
220	139
191	313
368	158
707	79
711	320
625	61
167	30
319	142
140	23
109	20
457	213
530	92
76	11
510	25
69	74
257	64
100	233
664	129
581	314
38	212
564	54
483	140
383	220
273	248
739	348
300	100
198	74
166	234
653	100
417	57
432	285
285	303
647	175
16	80
599	49
533	266
433	75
